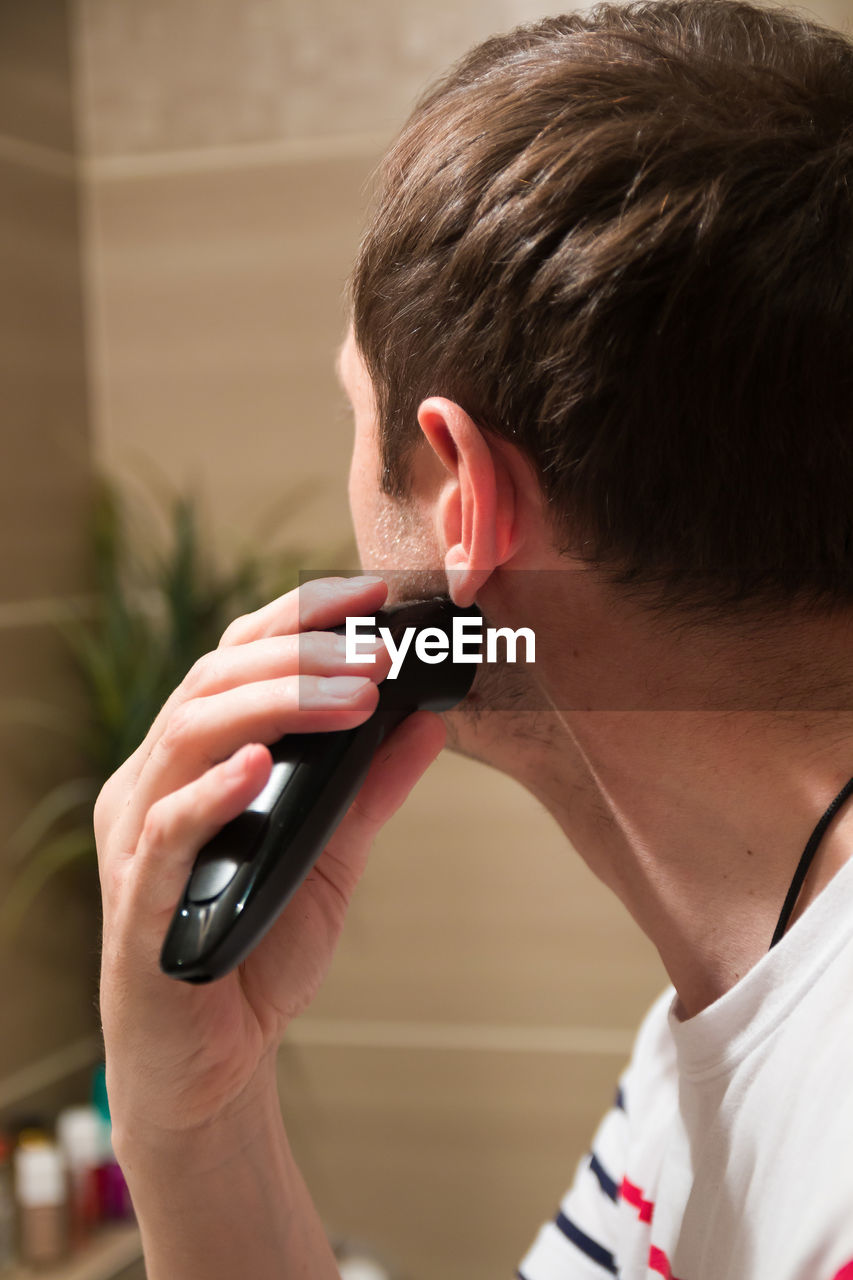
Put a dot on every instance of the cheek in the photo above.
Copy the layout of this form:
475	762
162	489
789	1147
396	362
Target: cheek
363	490
388	536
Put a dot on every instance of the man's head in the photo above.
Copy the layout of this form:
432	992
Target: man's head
620	244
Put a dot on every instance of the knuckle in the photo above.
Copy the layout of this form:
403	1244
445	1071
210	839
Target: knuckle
368	821
279	708
112	880
312	651
237	631
179	729
200	674
289	653
156	827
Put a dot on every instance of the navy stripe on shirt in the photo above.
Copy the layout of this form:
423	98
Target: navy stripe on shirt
581	1241
608	1186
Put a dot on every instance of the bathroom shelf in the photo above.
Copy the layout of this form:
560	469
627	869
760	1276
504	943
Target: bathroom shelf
111	1250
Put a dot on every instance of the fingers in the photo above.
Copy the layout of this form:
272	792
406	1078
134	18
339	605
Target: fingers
179	824
312	607
204	731
311	653
319	653
275	644
302	941
316	606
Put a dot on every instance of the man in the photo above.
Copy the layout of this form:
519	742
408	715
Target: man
601	379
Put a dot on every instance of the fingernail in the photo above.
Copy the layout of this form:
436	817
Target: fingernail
366	580
344	686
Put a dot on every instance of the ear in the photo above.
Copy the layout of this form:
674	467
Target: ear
477	502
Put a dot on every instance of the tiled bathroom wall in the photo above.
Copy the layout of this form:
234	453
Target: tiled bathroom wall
441	1090
48	1019
445	1083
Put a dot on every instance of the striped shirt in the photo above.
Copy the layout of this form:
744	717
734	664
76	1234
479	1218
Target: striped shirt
728	1151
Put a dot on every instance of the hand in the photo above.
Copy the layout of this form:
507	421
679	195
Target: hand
181	1056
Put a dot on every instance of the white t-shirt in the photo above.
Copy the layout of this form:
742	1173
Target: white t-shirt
728	1154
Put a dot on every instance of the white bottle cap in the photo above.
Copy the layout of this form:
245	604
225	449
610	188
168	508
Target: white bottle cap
354	1268
79	1132
39	1175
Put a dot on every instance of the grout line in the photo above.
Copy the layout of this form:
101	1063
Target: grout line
32	155
343	1033
53	609
236	156
49	1070
39	613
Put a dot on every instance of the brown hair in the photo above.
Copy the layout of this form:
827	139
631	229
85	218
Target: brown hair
623	240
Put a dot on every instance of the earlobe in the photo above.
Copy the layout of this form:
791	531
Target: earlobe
476	505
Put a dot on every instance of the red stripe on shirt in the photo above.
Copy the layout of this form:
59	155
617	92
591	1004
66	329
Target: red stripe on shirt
658	1261
846	1272
628	1191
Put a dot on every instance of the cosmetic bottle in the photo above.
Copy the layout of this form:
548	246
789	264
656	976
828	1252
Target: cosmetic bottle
40	1192
113	1195
357	1268
79	1132
8	1242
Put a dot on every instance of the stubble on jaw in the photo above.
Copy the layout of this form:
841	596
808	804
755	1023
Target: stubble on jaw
400	549
505	699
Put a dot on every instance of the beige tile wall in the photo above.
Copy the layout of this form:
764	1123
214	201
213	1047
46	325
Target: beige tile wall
48	972
217	312
47	1014
491	920
449	1074
36	93
446	1081
443	1087
264	69
445	1162
45	444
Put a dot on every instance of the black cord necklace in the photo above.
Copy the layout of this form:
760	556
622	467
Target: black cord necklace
806	860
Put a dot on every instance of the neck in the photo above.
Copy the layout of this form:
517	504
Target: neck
695	818
707	818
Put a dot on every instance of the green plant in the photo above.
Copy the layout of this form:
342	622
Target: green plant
159	603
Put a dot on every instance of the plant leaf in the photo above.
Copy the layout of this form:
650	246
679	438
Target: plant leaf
160	601
50	858
40	715
61	800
